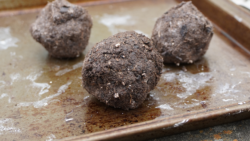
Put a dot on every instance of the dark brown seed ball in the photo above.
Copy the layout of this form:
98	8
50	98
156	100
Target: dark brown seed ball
63	29
182	34
122	69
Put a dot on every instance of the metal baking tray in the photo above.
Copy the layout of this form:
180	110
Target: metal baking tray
42	98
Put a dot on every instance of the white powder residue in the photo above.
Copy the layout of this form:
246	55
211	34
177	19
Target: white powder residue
64	71
7	125
51	137
113	21
4	95
2	83
44	87
165	107
226	89
181	123
6	40
14	77
239	19
44	102
192	82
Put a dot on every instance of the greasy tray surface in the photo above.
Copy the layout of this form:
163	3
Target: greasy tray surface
42	98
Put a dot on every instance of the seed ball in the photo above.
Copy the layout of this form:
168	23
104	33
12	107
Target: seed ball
183	34
122	69
63	29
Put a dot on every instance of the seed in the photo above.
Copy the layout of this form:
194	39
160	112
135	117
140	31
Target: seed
71	11
117	45
116	95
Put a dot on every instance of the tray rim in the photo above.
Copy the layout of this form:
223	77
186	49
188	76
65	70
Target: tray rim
163	122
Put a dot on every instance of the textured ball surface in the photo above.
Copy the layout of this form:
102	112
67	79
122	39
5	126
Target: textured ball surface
183	34
63	29
122	69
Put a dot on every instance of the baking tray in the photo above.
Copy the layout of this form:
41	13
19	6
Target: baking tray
42	98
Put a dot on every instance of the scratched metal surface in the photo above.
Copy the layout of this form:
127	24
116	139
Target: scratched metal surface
42	98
